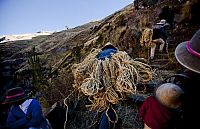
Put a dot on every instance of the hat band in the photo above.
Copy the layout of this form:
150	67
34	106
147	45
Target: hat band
13	96
191	51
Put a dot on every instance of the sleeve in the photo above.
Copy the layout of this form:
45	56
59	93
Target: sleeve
143	109
36	114
13	123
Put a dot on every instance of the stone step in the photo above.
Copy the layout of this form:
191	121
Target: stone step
158	66
153	66
160	60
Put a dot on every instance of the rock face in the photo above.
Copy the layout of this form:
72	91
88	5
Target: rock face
60	50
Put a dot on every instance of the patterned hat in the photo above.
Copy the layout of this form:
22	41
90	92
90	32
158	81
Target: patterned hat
14	95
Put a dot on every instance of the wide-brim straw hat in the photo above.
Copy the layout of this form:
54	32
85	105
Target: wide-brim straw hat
169	95
188	53
14	95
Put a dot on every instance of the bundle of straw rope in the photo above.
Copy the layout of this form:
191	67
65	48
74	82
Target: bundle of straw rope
146	38
107	81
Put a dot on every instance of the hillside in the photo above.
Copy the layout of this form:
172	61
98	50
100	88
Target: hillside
60	50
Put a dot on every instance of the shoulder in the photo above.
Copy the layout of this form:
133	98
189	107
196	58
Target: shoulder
34	102
13	109
151	100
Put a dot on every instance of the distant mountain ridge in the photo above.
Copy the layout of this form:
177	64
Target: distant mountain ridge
7	38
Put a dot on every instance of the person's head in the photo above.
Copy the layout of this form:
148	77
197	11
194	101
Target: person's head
108	45
188	53
170	95
15	96
165	9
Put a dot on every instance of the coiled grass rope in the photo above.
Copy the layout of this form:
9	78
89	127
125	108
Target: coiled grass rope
107	81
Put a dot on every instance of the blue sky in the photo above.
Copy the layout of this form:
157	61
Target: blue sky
29	16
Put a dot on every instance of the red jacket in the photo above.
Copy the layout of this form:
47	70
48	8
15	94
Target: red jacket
157	116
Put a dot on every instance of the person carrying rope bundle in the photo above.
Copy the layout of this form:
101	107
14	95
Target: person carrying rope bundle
108	76
153	36
109	118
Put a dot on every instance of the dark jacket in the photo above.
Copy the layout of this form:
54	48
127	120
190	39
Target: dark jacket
189	82
190	103
159	31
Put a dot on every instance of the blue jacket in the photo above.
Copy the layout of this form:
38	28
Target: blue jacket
106	53
17	119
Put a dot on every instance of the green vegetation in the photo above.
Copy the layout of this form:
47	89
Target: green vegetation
77	53
100	39
36	68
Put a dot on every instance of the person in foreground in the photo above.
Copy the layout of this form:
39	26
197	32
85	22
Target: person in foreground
160	111
188	55
25	113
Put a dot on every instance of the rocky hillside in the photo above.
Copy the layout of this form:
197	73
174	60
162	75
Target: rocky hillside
59	51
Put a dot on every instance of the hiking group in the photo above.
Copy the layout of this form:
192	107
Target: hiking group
173	105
